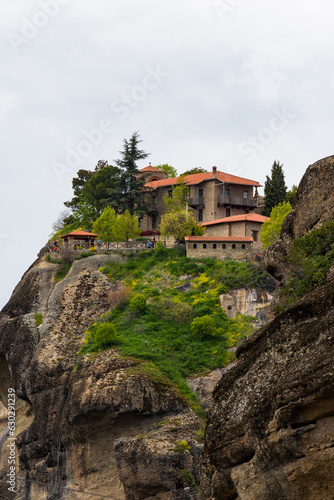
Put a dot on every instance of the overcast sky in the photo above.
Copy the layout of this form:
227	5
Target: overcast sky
231	83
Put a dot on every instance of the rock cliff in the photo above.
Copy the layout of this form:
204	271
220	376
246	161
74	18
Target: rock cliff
271	433
98	424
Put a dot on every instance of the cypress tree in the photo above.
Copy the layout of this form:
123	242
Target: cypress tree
132	192
274	188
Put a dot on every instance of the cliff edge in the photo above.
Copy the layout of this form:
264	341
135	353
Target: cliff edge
271	434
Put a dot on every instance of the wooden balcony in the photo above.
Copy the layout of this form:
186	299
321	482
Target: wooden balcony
197	202
237	200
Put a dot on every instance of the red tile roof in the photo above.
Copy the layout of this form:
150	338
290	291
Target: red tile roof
218	238
237	218
79	233
149	168
205	176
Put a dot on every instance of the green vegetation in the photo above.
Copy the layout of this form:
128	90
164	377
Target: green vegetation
188	478
64	266
310	259
174	333
168	169
274	188
271	229
181	446
38	319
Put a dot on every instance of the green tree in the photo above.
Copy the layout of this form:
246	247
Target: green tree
195	170
274	189
179	223
78	183
168	169
291	194
127	227
271	228
179	198
105	225
85	215
132	192
103	189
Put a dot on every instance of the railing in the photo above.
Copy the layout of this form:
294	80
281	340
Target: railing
197	201
236	200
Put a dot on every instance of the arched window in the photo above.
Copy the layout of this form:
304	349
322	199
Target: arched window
204	245
243	246
195	245
223	246
214	246
233	246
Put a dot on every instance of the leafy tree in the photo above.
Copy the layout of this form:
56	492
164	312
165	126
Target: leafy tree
64	218
127	226
85	215
103	189
274	189
291	194
179	223
195	170
78	183
271	228
105	225
132	192
168	169
180	195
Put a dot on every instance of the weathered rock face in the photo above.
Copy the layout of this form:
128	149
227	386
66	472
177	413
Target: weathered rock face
248	302
271	434
314	204
70	412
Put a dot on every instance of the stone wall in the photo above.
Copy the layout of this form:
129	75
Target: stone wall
238	253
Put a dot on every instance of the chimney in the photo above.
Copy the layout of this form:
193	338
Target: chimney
214	171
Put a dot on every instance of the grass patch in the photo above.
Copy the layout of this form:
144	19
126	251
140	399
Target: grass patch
38	319
174	335
64	266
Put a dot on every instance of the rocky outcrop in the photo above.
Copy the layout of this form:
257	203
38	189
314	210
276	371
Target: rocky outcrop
71	412
271	433
248	302
313	205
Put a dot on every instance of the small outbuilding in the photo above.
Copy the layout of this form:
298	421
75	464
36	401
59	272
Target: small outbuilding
238	225
79	239
220	247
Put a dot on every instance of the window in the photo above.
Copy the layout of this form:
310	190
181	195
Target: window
243	246
245	195
214	246
233	246
200	214
154	199
255	235
195	245
227	192
154	222
200	193
141	223
204	245
223	246
170	193
228	212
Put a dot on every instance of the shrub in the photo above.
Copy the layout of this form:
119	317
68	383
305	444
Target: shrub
203	327
181	312
138	303
105	335
181	446
38	319
119	298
